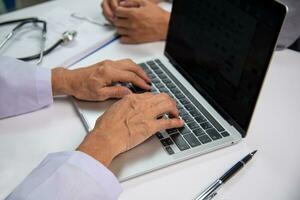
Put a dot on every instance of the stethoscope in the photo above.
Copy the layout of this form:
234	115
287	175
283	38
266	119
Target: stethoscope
67	37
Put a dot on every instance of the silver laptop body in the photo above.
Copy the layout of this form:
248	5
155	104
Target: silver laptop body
155	153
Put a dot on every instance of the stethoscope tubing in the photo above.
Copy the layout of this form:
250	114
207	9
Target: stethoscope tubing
36	56
18	20
67	36
23	22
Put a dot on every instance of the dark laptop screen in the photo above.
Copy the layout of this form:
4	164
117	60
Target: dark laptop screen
223	47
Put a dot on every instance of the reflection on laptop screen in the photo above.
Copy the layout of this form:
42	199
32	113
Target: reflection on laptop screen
223	47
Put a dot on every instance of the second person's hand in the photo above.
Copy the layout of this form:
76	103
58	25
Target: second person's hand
139	21
109	7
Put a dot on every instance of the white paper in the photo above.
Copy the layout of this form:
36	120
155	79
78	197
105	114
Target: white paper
89	38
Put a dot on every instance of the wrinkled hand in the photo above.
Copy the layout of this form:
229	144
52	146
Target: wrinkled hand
139	21
129	122
109	7
97	82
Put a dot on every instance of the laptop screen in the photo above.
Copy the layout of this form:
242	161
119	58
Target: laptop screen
223	48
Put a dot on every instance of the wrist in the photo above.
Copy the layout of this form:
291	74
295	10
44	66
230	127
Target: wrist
59	79
99	147
165	25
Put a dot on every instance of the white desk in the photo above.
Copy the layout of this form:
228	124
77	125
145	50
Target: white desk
272	174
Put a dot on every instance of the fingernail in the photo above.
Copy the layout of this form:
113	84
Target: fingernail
127	92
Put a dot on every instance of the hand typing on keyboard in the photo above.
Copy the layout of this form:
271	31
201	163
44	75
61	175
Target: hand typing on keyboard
97	82
128	123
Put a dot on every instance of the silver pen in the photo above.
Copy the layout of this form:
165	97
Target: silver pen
212	190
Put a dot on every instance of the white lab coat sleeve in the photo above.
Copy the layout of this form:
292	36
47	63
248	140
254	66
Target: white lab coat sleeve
71	175
290	31
23	87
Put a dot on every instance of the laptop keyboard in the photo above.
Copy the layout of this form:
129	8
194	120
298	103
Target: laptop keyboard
200	127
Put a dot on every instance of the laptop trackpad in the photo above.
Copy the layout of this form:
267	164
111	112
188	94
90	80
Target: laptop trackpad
91	111
142	159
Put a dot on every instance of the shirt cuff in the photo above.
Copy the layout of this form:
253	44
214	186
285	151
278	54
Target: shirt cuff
44	86
98	172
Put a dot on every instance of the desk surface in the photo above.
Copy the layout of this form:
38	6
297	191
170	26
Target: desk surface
272	174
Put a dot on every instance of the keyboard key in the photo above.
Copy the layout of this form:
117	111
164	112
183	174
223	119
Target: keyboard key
153	90
200	119
195	113
159	85
157	61
154	67
148	71
167	142
179	106
166	80
213	133
216	124
171	85
160	64
144	66
187	118
193	125
151	63
169	150
190	107
165	90
171	131
159	135
192	140
180	142
179	95
199	132
182	112
184	130
184	101
151	76
204	139
206	125
155	80
175	90
210	118
181	109
158	71
162	76
225	134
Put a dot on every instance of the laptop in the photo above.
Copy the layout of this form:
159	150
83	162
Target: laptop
216	58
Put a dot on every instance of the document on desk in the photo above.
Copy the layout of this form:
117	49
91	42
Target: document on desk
90	37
